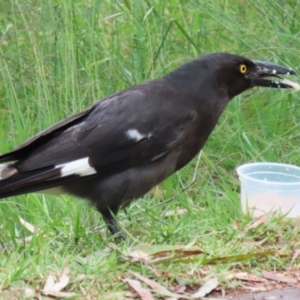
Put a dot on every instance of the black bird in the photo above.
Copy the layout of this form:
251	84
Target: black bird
119	148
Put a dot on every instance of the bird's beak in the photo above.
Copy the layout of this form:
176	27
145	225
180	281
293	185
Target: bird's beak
265	69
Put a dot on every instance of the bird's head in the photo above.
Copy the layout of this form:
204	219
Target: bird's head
237	74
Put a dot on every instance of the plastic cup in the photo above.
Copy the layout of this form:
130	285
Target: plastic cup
268	187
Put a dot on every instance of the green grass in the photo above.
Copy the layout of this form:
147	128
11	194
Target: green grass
56	58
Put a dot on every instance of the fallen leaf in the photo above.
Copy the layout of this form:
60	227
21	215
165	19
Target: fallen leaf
138	255
153	249
49	283
136	285
236	226
160	253
53	288
206	288
29	293
63	279
58	294
178	253
215	260
295	256
124	295
158	288
157	191
177	212
248	277
180	289
257	222
278	277
255	289
19	293
29	226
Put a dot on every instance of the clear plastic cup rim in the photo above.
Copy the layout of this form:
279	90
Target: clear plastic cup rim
240	170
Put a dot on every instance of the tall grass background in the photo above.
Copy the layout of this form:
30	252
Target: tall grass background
58	57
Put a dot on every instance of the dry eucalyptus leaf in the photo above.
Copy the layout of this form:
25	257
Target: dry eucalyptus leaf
158	288
30	293
58	294
54	288
136	285
236	226
255	223
138	255
177	212
278	277
255	289
244	276
50	282
29	226
295	256
206	288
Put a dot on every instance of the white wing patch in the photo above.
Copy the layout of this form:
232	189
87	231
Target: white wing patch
79	167
7	170
134	134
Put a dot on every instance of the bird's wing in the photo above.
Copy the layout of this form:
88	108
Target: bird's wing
119	132
122	131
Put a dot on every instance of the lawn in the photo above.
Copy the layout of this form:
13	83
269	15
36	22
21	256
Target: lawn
58	57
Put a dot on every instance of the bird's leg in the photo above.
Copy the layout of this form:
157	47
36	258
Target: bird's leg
109	219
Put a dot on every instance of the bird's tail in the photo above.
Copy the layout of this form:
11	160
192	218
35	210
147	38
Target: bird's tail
13	182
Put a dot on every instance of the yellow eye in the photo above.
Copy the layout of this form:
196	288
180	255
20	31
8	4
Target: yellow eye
243	68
